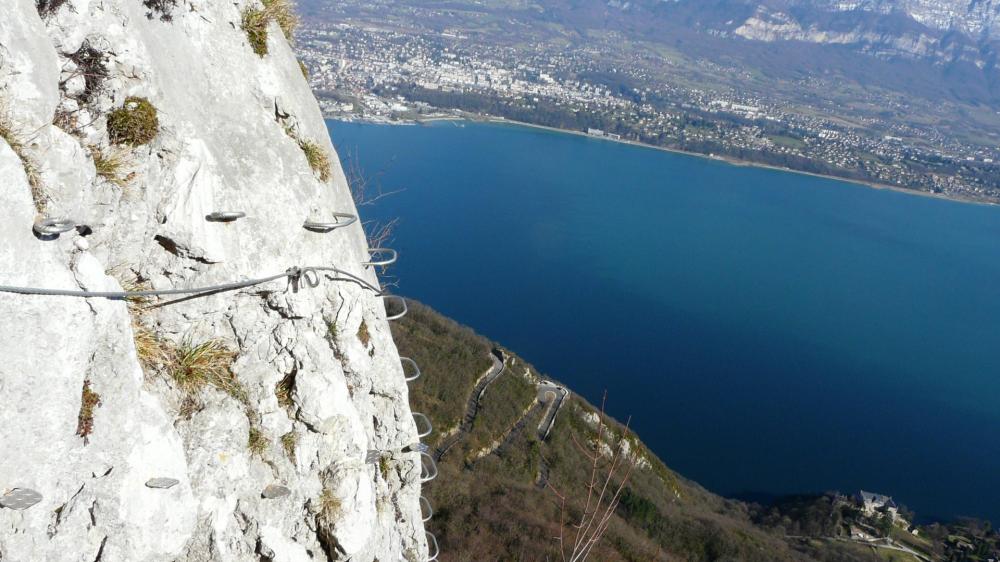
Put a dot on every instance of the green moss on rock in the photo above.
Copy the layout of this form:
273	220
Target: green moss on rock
136	123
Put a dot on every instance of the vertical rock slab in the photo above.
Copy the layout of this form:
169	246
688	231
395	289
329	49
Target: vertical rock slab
100	397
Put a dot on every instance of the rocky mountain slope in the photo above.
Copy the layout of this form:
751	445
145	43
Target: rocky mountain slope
944	31
975	18
231	425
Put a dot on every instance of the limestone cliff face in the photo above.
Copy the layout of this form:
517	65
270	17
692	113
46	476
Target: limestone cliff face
316	377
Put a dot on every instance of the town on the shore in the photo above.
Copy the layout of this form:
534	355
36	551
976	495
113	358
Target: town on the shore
391	75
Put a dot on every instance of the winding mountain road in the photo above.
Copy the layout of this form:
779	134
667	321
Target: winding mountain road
554	396
472	407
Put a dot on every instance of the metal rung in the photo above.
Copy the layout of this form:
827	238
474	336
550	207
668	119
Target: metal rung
20	499
402	301
225	216
53	227
162	483
393	255
416	368
416	448
425	507
324	227
432	547
417	417
429	471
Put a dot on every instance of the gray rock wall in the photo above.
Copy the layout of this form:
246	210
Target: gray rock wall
224	145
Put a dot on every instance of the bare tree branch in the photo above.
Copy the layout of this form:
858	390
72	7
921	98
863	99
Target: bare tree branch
366	188
599	505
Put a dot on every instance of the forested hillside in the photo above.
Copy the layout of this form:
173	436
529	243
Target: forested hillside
498	493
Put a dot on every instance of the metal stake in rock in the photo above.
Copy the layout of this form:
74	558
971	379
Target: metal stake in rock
20	499
275	491
162	483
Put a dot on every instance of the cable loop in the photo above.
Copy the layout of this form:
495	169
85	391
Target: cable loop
304	276
53	227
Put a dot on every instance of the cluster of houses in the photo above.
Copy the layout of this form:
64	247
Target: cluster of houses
874	505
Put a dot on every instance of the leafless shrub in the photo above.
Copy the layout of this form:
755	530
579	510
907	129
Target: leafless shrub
380	233
48	7
366	189
608	478
89	400
162	8
90	63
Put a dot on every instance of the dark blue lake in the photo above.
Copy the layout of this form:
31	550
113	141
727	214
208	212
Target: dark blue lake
769	332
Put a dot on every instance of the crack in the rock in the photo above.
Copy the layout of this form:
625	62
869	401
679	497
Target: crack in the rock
93	515
100	550
171	246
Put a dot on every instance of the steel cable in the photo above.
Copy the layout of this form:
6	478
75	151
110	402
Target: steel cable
308	276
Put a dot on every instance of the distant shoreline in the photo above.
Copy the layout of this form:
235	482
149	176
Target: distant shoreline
724	159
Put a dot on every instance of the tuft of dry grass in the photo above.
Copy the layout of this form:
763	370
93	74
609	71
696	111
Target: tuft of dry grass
316	155
256	441
330	506
255	22
153	352
196	365
289	441
304	69
89	400
318	159
364	336
283	390
15	138
283	12
384	467
114	165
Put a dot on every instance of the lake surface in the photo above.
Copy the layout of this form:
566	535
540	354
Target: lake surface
769	332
